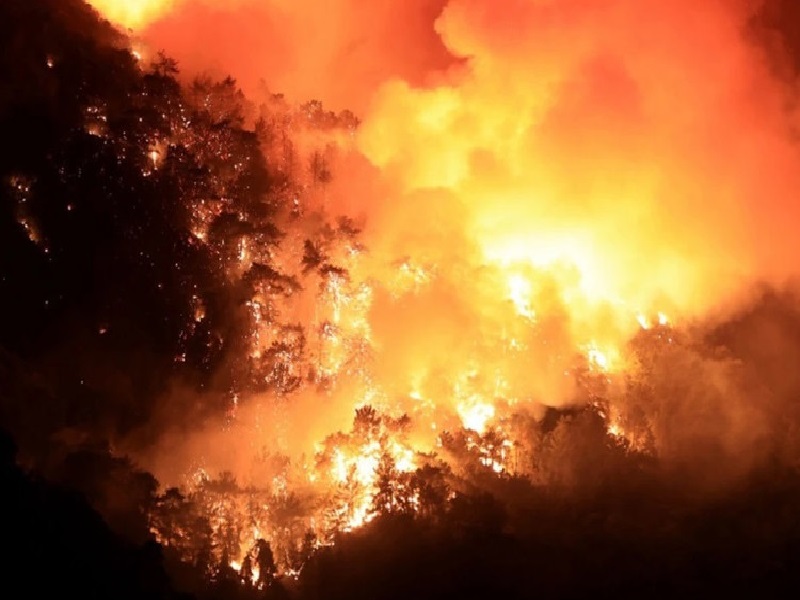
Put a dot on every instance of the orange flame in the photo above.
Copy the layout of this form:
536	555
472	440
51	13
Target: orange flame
584	173
133	14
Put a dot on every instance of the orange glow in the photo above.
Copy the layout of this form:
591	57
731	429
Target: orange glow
595	171
132	14
520	294
475	415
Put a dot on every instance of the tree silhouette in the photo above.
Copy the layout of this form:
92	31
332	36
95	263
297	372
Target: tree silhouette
267	570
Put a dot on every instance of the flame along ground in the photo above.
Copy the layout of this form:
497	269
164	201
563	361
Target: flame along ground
538	210
522	353
477	388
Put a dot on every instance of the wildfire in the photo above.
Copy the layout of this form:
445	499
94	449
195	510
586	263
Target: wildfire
520	295
647	323
475	415
599	358
358	464
253	575
535	219
133	14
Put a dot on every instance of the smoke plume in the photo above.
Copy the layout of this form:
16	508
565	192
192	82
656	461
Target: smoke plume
533	177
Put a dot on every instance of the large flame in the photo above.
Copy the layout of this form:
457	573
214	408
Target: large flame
133	14
595	141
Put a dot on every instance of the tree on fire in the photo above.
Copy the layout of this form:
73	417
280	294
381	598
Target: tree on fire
112	166
115	287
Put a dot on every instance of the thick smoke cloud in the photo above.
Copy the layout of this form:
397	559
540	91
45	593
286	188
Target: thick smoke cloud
572	122
337	52
582	161
614	157
646	142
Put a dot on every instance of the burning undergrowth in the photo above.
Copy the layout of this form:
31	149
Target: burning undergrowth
690	415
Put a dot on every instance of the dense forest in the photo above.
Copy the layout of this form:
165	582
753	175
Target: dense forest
148	232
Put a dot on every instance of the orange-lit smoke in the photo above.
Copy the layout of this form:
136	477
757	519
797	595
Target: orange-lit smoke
589	167
133	14
338	51
594	162
643	143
